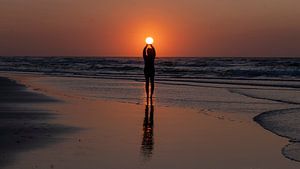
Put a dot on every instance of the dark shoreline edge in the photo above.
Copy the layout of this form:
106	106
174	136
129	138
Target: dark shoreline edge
23	127
13	92
284	123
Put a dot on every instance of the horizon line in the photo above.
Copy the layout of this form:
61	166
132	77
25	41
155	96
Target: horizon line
127	56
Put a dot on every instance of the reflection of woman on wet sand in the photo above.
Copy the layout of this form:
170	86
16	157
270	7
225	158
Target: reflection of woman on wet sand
149	70
147	143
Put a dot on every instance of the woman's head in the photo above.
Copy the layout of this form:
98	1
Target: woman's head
150	51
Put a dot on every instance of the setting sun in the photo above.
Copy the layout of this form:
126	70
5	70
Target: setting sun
149	40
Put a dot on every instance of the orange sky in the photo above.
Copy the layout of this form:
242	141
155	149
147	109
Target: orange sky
179	27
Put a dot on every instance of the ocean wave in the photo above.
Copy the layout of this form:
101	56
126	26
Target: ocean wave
180	68
285	123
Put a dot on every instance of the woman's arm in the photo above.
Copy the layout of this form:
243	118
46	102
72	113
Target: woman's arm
144	51
154	52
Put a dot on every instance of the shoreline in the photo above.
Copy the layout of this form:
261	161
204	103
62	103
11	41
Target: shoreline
91	104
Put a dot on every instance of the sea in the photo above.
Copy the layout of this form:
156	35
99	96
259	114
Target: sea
231	73
175	68
186	75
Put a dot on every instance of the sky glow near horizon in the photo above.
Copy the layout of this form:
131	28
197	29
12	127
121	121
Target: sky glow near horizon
180	28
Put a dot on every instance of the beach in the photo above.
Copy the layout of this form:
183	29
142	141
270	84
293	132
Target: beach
106	123
128	84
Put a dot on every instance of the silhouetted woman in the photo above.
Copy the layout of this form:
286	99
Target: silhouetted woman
149	70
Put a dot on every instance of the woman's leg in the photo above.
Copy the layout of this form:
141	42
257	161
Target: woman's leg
152	85
147	86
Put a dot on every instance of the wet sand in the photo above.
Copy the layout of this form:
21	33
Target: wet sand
24	126
126	135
